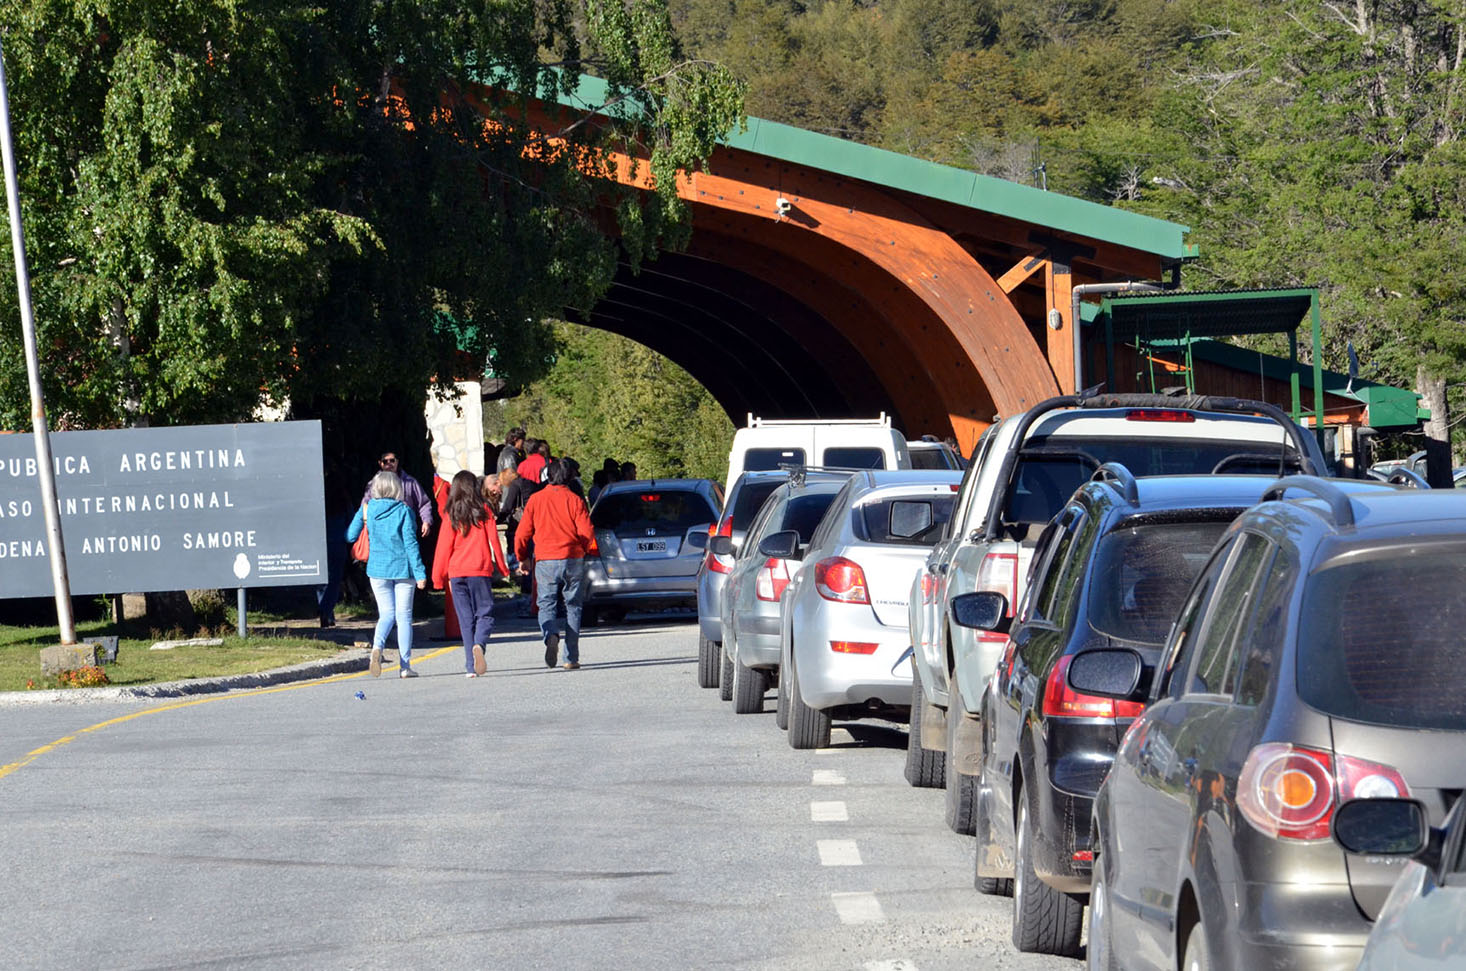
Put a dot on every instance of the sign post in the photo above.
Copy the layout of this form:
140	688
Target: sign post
33	372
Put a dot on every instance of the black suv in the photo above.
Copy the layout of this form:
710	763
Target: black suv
1319	658
1110	569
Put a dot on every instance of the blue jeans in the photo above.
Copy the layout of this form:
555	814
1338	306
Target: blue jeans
551	576
473	598
394	605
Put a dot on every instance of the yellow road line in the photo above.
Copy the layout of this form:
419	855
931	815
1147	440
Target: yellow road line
34	754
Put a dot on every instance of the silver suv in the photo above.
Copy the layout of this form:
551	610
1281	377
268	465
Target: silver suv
1023	470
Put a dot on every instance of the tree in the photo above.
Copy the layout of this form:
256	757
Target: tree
226	199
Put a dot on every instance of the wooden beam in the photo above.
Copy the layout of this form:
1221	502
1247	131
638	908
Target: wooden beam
1021	271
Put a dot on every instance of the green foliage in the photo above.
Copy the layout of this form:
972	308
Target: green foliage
609	397
225	199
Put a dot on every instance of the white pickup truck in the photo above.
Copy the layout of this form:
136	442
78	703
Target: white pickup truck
1022	471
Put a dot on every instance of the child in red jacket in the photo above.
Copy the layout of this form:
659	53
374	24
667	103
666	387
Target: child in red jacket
468	557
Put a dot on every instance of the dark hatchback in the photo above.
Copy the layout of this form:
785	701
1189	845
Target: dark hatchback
1319	658
1110	569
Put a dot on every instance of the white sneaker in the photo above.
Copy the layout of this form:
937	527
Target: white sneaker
375	664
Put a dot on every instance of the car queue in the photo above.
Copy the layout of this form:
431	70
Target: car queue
1150	651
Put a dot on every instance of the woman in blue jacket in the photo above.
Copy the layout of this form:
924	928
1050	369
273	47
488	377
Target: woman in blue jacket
394	566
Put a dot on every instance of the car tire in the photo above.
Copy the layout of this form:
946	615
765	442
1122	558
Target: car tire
961	790
1099	955
1045	920
708	668
725	679
809	728
1195	956
924	769
749	687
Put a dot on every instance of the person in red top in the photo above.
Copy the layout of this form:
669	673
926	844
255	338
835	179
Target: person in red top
534	465
468	557
556	521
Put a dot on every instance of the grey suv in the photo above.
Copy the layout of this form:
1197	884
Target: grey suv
1317	659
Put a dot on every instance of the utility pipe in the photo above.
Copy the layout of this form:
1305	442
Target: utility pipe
1081	290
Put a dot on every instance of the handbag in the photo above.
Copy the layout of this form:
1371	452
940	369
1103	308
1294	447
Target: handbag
362	548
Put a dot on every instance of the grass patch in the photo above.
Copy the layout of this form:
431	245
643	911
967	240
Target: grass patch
136	665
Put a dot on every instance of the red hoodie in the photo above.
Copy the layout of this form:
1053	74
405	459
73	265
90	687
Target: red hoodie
555	518
475	555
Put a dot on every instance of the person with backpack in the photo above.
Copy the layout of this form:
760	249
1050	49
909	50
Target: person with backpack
468	558
516	492
394	566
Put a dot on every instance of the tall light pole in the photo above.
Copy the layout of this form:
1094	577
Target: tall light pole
33	372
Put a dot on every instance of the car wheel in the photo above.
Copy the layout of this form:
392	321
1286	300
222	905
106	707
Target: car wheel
708	652
749	687
613	615
590	616
924	769
1099	955
808	727
1044	919
961	795
1196	956
725	680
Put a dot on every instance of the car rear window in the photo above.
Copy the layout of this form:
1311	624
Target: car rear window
905	520
854	458
928	458
750	499
1053	468
664	511
803	513
1380	638
1142	573
771	459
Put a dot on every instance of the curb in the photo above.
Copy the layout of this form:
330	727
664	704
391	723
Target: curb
307	671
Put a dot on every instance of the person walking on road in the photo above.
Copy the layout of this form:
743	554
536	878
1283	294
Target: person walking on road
556	522
468	558
413	494
513	451
394	566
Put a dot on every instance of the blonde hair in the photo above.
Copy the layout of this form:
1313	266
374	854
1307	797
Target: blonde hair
386	485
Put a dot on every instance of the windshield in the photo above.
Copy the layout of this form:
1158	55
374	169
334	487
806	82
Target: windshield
1142	573
1381	638
650	512
1046	481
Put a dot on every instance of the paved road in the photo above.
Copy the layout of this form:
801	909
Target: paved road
617	816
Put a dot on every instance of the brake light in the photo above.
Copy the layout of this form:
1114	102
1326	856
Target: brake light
651	497
998	573
771	580
1290	792
720	564
853	647
836	578
928	587
1062	701
1159	414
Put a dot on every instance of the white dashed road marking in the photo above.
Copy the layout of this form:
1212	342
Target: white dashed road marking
857	908
828	777
828	812
838	852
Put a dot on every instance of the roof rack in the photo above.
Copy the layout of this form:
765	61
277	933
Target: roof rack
1122	478
1340	508
884	421
797	473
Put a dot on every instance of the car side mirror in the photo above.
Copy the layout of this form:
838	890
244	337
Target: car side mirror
1118	673
984	610
1387	827
720	545
783	545
697	538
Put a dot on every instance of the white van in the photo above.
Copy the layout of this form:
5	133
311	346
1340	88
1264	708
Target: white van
846	443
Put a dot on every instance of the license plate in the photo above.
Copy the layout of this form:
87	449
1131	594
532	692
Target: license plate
651	546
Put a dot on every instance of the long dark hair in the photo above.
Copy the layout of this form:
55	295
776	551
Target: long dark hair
465	503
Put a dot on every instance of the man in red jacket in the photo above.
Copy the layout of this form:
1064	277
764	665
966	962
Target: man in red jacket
556	520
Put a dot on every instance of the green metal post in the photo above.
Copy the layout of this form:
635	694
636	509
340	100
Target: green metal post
1317	369
1296	412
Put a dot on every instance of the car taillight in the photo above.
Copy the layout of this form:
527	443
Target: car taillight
836	578
1290	792
720	564
772	578
998	573
928	587
853	647
1159	414
1062	701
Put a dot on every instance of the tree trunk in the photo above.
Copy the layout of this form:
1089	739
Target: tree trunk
1437	429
